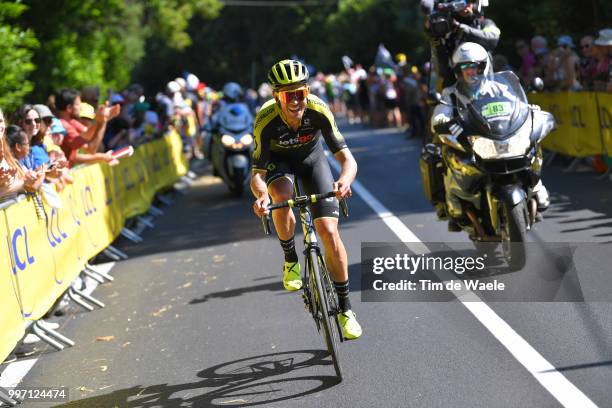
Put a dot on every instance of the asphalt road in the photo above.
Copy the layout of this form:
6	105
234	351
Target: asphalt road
199	318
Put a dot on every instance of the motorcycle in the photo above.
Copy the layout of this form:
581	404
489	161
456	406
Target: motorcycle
231	146
486	173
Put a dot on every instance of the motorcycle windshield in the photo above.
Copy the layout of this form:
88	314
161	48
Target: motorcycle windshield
498	107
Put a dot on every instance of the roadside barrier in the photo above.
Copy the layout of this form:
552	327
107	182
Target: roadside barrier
584	122
40	258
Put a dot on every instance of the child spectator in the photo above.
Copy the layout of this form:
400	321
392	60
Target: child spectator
60	177
58	132
87	117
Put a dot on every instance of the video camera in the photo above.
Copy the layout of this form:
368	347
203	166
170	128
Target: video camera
441	16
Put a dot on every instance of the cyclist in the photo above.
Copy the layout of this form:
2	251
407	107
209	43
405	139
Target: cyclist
287	134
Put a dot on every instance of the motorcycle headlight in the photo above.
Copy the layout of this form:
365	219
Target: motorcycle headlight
246	139
228	140
516	145
483	147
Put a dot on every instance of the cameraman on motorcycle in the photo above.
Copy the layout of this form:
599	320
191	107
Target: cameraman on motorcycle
451	23
474	72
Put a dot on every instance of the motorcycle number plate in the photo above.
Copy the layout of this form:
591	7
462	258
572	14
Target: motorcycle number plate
496	109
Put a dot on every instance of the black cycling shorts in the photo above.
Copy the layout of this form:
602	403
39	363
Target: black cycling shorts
314	174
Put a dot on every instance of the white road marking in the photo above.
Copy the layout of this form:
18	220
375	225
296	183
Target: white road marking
14	373
547	375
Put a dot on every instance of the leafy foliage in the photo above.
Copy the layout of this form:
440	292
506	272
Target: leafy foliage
58	43
243	42
85	42
17	47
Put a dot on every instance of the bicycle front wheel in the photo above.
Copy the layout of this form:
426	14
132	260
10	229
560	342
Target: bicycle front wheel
328	320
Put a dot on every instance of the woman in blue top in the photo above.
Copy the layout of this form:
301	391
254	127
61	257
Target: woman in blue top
30	121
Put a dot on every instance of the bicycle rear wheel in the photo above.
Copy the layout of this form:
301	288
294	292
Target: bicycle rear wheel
328	320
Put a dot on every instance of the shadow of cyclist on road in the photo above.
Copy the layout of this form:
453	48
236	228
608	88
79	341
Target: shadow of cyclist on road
251	381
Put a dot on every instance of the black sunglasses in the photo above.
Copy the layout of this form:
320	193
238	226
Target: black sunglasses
31	121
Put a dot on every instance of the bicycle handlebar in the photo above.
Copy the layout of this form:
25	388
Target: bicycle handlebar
300	202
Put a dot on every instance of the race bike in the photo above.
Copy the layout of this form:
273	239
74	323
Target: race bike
231	146
485	173
320	297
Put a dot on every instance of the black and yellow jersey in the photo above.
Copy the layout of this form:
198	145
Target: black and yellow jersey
273	135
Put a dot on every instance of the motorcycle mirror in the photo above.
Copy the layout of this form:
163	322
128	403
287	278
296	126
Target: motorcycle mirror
537	84
432	98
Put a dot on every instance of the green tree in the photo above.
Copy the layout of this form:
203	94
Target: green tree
363	24
244	41
17	47
98	42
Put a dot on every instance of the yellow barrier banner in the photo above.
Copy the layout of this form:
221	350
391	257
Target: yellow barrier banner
604	101
578	132
34	248
166	161
132	181
42	256
88	205
66	242
12	325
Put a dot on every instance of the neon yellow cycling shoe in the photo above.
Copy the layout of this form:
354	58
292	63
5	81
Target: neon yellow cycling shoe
351	329
292	278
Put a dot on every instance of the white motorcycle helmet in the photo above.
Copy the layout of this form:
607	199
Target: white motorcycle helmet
232	91
468	54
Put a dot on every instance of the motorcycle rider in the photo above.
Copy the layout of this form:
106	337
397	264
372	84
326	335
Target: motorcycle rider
232	96
468	24
474	73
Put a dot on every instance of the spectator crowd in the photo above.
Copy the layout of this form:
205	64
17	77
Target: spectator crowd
568	67
394	93
41	143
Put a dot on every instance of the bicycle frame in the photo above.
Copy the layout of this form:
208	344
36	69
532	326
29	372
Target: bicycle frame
308	228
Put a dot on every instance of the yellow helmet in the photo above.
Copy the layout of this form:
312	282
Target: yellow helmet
286	73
